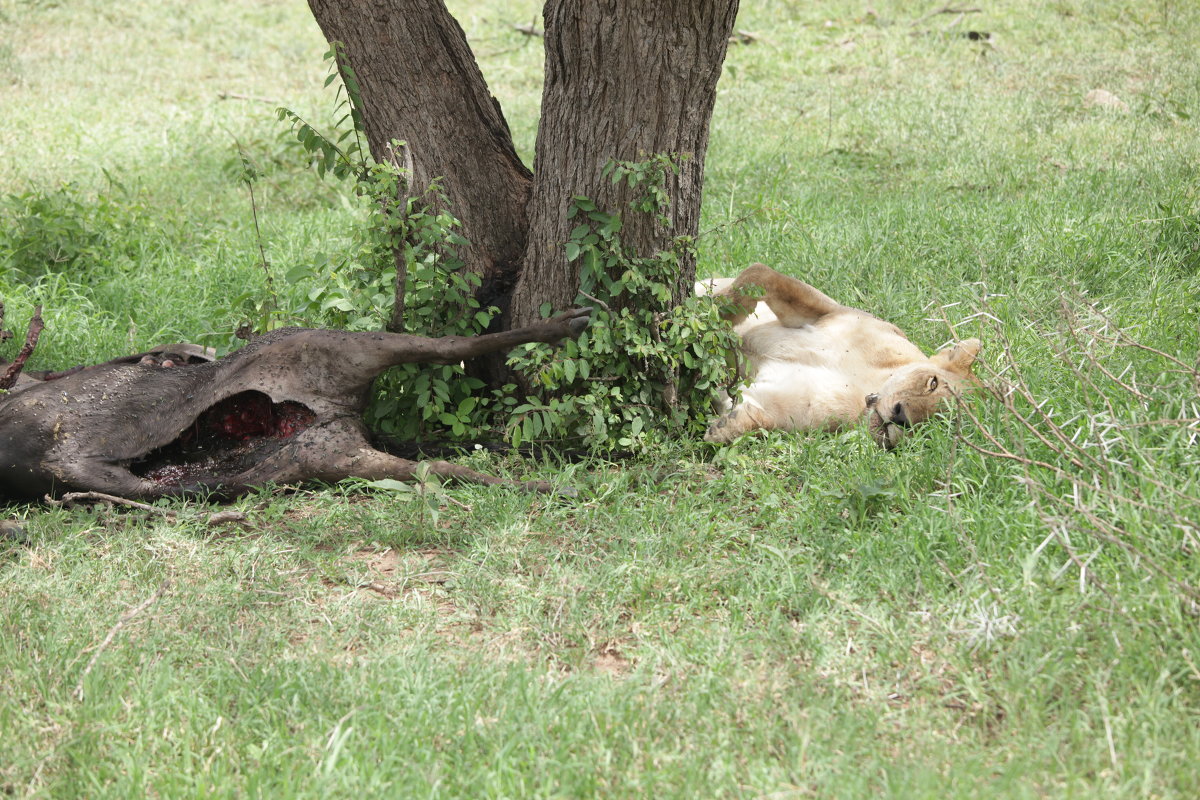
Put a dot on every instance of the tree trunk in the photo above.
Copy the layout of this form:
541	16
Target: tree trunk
420	84
625	79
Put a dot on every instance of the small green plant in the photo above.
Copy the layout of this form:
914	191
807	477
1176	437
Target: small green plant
1178	237
646	367
63	231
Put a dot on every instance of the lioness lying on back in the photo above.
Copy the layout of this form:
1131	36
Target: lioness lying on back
816	365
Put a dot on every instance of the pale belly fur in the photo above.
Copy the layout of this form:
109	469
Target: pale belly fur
818	376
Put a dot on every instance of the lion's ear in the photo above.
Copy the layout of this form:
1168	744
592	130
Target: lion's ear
959	357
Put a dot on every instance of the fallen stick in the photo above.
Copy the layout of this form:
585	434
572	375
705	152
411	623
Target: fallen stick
79	497
249	97
225	518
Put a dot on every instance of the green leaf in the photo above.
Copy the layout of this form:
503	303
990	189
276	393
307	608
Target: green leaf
299	273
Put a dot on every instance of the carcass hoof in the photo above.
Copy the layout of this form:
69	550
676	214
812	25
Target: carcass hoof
575	320
580	319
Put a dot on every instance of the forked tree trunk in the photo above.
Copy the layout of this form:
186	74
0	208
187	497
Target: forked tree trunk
625	79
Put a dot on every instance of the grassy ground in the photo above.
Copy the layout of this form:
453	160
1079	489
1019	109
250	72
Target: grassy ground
785	617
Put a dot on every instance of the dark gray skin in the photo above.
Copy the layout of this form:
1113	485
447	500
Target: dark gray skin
84	431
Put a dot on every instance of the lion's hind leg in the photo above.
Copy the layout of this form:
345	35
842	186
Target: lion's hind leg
794	302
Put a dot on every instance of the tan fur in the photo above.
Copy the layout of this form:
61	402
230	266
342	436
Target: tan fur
814	364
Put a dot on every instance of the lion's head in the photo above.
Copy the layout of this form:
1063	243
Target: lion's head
915	392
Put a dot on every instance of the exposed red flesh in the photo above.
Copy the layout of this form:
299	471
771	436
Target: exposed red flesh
226	439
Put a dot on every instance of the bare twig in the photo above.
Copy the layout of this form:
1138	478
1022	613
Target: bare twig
114	630
732	223
225	518
1124	339
529	29
81	497
1095	362
597	301
454	502
251	98
1080	475
249	175
31	339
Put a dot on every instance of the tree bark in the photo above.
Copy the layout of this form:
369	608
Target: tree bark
420	84
625	79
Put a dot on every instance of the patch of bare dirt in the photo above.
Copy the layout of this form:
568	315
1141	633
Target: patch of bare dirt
611	661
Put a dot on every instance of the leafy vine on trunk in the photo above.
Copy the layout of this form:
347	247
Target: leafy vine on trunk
648	367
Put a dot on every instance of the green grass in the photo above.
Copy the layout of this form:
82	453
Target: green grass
786	617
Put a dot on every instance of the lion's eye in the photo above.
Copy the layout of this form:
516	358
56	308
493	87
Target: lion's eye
933	383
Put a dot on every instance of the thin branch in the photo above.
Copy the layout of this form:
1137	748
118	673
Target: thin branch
81	497
1124	339
597	301
248	97
1004	453
731	223
114	630
1098	486
1095	362
9	378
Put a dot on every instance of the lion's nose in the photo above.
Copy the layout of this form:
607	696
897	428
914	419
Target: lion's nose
898	416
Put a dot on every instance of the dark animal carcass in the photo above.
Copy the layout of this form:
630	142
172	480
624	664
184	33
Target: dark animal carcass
285	408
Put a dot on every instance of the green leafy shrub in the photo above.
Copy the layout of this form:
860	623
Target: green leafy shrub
646	367
64	231
356	291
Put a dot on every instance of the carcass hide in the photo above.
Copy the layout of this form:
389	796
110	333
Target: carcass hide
285	408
